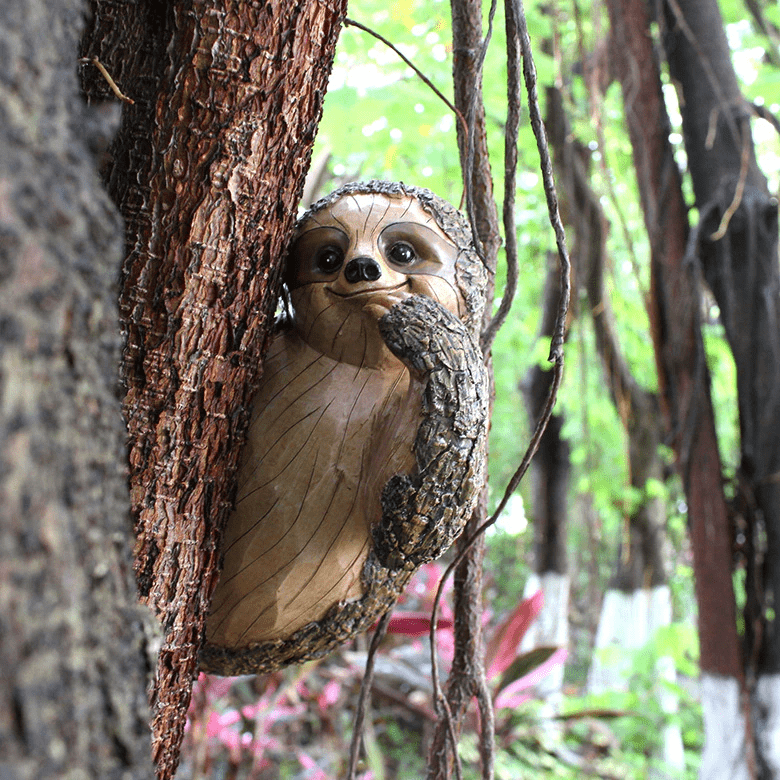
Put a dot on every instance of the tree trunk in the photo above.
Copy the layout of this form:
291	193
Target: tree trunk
684	386
467	676
736	243
551	465
207	169
641	563
638	600
550	473
73	639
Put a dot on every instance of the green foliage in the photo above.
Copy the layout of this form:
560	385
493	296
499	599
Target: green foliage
508	569
380	120
632	720
618	734
723	386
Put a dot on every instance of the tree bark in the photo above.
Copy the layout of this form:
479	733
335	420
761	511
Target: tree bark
638	600
207	169
467	676
73	639
641	563
682	371
684	383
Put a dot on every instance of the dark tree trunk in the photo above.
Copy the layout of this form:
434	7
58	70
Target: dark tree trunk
207	169
73	639
551	465
684	384
682	370
642	563
638	600
736	243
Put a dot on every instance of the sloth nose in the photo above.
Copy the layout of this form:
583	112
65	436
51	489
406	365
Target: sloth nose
362	269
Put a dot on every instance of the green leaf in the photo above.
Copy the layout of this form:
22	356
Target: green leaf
525	663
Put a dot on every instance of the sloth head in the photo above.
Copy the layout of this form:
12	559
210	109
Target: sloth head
368	246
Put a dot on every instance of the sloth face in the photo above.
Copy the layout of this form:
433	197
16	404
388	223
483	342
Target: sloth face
352	261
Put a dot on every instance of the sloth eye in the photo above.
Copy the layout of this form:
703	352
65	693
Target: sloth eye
329	259
402	253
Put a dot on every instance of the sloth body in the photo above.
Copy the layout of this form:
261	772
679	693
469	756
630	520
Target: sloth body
309	489
335	419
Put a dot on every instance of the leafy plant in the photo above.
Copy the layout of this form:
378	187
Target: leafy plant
296	723
513	673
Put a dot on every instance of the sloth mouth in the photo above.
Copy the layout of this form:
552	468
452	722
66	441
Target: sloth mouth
370	292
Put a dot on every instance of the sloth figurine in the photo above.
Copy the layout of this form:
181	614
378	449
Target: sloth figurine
366	446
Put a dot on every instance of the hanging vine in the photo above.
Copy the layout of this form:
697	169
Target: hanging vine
467	678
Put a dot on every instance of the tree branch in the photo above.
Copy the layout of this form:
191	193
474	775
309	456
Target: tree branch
352	23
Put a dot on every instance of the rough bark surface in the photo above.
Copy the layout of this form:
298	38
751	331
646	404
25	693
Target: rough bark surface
683	376
736	245
466	48
207	169
73	638
467	676
683	381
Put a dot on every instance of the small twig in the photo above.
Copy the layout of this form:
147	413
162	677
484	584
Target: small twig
107	76
529	73
365	690
762	112
739	191
423	77
712	129
769	29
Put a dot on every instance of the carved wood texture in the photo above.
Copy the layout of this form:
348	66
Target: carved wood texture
421	512
366	454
